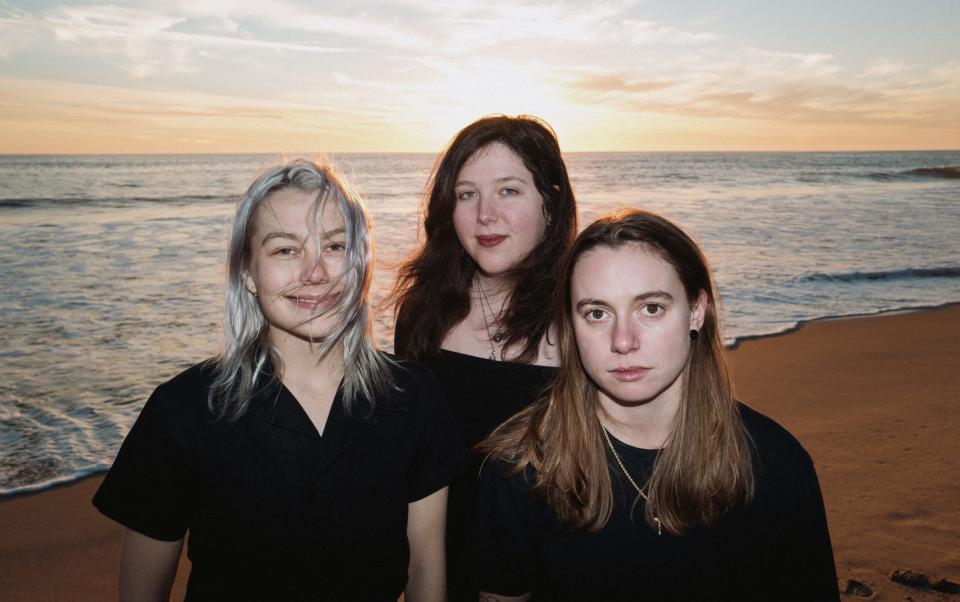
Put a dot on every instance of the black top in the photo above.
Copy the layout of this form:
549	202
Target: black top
775	548
275	511
482	393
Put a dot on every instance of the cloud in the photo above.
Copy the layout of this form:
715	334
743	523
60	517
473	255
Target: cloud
747	83
885	67
644	33
280	18
947	74
9	42
152	43
618	83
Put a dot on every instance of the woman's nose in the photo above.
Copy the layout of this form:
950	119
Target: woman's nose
314	270
486	211
625	337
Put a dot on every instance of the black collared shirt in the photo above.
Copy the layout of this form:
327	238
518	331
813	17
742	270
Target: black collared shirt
274	510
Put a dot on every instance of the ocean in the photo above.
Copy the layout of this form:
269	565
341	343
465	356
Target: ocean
112	266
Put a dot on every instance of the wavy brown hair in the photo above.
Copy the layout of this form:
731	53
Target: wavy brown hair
432	293
705	467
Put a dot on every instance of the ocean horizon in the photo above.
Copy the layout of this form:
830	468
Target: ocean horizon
113	267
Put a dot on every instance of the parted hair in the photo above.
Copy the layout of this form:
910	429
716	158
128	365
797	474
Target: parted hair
248	363
705	467
432	292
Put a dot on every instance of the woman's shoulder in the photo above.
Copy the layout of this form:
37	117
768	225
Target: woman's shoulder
406	373
413	385
199	375
767	432
778	451
498	472
187	391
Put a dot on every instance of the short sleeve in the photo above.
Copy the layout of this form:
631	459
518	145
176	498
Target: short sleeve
147	487
441	455
505	541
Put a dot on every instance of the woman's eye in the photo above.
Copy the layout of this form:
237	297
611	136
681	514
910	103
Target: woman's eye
336	247
463	195
595	315
509	192
652	309
285	251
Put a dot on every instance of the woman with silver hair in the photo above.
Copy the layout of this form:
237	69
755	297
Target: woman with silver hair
305	463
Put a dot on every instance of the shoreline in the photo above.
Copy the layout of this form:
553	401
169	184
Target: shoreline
737	341
871	398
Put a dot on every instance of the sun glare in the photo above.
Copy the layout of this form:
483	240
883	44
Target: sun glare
476	91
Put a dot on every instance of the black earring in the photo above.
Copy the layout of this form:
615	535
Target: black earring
694	334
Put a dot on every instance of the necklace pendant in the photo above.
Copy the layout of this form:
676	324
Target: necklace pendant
493	356
497	336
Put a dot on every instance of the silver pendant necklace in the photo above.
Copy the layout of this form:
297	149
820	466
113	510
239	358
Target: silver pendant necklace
495	338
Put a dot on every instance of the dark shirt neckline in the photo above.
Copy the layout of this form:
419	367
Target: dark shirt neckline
644	452
487	360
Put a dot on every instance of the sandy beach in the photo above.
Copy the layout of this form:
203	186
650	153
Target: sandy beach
872	399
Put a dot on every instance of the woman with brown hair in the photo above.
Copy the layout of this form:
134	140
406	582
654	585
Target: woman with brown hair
473	301
639	477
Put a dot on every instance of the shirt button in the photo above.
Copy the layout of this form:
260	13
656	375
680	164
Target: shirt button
308	496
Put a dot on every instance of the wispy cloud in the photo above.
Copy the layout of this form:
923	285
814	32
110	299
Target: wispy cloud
882	67
617	83
749	83
645	33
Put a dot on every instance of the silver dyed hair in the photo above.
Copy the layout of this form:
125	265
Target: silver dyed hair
240	371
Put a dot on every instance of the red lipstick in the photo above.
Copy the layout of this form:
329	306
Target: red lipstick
490	240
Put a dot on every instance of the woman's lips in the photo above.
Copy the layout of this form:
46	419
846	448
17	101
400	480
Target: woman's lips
629	374
490	240
314	303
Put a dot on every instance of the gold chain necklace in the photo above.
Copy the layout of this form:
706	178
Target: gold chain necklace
497	336
616	457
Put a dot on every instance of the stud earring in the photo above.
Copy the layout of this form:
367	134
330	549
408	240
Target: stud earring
694	334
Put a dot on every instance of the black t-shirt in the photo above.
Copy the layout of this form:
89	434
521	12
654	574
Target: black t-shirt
482	393
274	510
775	548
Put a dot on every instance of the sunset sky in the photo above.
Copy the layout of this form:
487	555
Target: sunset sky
286	76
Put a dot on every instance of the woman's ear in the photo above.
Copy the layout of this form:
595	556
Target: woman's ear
699	311
250	285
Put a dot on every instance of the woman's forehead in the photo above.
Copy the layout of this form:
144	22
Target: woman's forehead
295	210
626	268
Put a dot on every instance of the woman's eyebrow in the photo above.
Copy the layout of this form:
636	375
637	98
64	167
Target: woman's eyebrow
285	235
326	234
499	180
641	297
332	233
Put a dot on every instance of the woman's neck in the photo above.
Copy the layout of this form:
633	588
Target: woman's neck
303	363
494	288
646	425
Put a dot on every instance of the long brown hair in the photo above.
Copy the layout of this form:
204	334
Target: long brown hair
704	469
432	293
